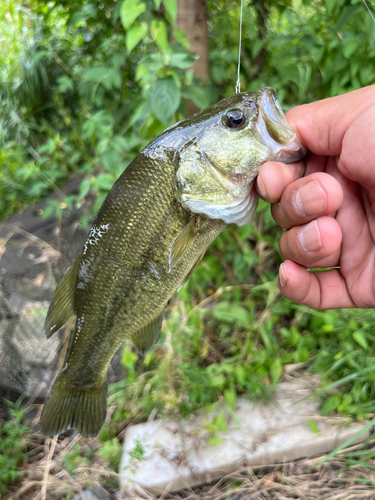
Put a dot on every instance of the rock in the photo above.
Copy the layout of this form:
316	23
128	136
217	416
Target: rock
97	492
162	453
27	355
34	254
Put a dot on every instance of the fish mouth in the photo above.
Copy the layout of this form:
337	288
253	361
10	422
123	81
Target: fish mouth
274	131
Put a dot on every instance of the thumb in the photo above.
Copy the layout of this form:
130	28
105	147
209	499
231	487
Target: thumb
322	125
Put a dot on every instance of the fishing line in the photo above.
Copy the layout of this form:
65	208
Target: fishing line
238	84
369	11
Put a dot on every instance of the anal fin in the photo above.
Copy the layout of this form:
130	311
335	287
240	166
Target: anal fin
147	335
61	308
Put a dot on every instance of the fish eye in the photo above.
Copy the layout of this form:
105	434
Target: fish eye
234	119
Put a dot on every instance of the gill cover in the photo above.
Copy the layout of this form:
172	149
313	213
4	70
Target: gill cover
218	166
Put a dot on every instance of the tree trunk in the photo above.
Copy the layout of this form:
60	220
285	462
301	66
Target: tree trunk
263	13
192	21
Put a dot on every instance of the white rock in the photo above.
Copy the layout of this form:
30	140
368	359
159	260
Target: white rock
178	455
26	355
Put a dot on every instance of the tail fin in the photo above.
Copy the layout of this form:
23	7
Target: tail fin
74	407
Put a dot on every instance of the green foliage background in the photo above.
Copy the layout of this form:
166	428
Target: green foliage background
86	85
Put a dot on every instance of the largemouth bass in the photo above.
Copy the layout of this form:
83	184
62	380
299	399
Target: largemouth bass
151	232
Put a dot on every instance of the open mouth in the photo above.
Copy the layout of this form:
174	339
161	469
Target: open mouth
274	131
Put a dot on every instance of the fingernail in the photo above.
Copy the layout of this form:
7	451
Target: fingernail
282	278
311	199
261	187
309	237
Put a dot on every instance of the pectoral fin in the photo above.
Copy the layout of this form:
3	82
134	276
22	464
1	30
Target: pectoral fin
191	271
182	243
148	334
61	308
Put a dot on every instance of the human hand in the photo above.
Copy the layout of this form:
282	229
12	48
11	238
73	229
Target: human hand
326	203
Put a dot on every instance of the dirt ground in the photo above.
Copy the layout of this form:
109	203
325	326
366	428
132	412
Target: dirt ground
46	478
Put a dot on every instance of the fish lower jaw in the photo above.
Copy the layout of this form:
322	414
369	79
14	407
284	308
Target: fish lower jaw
293	151
240	211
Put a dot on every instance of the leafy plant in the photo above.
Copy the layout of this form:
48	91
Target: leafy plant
12	446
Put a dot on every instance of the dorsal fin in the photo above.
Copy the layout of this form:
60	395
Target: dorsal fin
182	243
61	308
147	335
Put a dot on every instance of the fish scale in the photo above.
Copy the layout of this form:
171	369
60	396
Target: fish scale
148	237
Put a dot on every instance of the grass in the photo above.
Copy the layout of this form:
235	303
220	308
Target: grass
13	434
348	475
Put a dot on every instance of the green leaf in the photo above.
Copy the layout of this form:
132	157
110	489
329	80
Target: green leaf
276	370
135	35
130	10
128	358
218	381
112	79
108	77
165	98
181	60
84	187
330	5
65	84
103	182
110	159
181	38
153	62
360	339
118	59
159	32
230	397
215	440
256	47
231	313
197	95
349	48
99	200
240	374
95	74
313	425
89	10
330	404
220	421
76	18
157	4
171	8
40	54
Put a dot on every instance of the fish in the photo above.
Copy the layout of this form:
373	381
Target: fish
151	232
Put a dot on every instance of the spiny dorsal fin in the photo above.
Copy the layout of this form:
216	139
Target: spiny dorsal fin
147	335
61	308
182	243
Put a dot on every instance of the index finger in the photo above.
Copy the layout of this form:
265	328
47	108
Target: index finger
273	177
321	125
